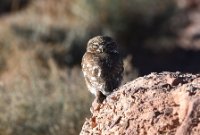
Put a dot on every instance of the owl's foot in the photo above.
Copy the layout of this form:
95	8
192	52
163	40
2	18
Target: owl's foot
100	97
96	105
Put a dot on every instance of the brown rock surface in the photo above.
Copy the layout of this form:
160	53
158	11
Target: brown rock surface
159	103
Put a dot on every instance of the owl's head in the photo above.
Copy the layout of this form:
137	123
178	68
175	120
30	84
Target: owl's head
100	44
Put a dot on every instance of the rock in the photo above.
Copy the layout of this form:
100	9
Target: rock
159	103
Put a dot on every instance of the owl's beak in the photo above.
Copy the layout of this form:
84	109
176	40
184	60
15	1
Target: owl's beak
101	48
115	51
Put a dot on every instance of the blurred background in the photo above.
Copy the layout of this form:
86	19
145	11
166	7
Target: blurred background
42	89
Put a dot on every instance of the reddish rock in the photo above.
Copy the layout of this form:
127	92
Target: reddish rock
159	103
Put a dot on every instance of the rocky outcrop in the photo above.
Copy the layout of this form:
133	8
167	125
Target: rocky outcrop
159	103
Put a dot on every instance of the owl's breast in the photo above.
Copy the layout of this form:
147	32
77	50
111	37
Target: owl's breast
102	72
92	71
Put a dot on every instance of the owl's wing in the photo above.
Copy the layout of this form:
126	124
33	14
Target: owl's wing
112	72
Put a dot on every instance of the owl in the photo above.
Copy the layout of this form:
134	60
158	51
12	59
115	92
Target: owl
102	67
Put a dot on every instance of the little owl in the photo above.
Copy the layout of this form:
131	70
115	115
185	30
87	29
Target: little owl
102	67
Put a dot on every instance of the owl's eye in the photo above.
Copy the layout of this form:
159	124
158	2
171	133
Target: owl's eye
111	46
94	46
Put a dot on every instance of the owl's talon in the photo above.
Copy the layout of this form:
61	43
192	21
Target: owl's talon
95	107
100	97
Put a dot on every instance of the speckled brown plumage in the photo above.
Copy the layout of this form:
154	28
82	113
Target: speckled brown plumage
102	67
